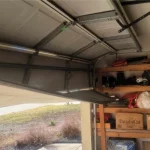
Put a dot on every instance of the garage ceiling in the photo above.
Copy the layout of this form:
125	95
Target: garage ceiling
27	23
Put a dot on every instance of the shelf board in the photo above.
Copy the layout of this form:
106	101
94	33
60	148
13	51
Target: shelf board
124	89
126	110
140	67
126	133
98	125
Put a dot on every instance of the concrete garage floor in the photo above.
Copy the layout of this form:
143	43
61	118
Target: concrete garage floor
62	147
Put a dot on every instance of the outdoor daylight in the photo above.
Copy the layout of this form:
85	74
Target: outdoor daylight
41	128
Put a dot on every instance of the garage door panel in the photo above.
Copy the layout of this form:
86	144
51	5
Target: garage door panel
47	80
94	52
67	42
106	28
36	29
78	80
12	75
12	15
10	11
83	7
23	24
123	43
47	61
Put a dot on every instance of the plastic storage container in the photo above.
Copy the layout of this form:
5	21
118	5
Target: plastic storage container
120	145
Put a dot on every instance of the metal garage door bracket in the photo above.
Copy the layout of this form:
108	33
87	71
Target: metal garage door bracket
124	27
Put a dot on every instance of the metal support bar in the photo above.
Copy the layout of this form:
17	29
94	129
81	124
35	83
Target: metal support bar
102	16
16	48
124	27
41	67
133	2
52	35
27	71
67	76
43	42
122	15
90	68
86	47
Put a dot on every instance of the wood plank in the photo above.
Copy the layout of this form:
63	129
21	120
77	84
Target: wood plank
127	133
102	129
98	125
140	67
146	145
126	110
124	89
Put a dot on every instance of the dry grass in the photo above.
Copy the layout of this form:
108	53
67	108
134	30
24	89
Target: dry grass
71	128
37	137
34	137
35	130
36	113
7	142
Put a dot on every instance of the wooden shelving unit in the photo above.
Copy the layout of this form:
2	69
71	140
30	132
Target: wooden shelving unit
140	67
101	130
104	132
125	110
126	133
124	89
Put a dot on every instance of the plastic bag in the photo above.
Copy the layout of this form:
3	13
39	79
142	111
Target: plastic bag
143	100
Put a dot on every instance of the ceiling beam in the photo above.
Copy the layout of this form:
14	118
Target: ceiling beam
102	16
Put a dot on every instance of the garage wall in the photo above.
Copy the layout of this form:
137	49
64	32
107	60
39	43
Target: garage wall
47	80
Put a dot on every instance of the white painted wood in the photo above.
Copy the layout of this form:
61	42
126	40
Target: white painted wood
86	126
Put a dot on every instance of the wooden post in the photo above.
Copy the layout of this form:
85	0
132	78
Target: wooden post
86	126
102	129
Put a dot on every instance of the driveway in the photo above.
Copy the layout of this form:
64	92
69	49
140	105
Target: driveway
62	147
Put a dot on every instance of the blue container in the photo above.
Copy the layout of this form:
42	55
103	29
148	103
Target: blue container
120	145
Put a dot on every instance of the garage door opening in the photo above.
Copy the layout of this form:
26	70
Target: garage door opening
31	119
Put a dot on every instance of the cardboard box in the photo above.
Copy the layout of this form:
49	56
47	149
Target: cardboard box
129	121
148	122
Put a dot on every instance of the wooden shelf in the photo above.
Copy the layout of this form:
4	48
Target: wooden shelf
126	110
140	67
124	89
98	125
104	133
127	133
